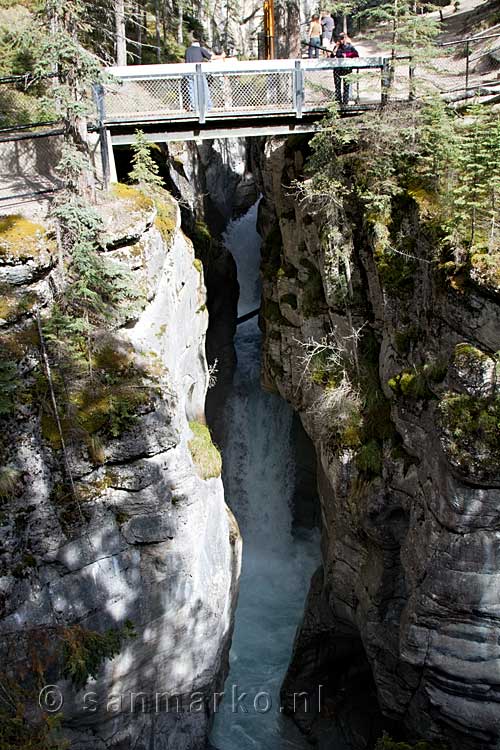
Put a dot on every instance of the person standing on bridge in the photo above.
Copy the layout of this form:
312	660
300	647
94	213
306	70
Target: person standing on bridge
327	26
314	36
195	53
343	48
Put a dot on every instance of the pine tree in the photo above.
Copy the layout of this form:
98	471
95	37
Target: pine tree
144	170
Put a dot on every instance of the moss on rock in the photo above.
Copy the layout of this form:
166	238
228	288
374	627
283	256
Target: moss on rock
470	427
417	383
138	198
205	455
21	239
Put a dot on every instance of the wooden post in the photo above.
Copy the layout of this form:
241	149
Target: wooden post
269	28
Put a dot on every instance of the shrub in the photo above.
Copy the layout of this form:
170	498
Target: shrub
85	650
337	415
144	169
369	458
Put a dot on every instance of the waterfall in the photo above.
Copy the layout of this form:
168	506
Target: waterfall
277	565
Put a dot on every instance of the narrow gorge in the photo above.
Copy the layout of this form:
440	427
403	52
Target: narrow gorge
302	508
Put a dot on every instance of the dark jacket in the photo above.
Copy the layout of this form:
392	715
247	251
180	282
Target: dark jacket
197	54
346	50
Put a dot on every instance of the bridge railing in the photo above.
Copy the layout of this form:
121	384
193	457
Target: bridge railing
214	90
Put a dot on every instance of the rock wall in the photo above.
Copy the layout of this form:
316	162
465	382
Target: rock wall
213	178
151	540
408	591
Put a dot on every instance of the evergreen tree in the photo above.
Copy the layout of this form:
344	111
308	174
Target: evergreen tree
144	170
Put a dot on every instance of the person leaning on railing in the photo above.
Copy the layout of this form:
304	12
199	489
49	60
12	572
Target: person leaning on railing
196	53
343	48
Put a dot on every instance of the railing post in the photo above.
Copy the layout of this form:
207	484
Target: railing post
98	91
467	54
298	89
411	76
201	88
385	72
106	148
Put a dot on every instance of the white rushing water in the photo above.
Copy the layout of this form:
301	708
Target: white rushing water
259	482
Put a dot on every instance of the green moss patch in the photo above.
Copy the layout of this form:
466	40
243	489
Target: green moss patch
396	272
387	743
106	403
205	455
417	383
133	195
202	239
471	429
166	215
369	458
485	270
21	238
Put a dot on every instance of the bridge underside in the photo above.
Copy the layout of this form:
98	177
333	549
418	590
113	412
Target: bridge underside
123	134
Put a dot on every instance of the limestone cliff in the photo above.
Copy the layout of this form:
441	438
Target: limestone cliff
408	589
144	534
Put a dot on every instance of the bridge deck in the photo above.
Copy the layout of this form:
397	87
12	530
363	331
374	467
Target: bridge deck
234	90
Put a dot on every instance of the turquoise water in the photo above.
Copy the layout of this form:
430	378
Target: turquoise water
259	482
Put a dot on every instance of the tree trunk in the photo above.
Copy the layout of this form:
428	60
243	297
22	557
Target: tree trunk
121	42
139	32
157	29
181	21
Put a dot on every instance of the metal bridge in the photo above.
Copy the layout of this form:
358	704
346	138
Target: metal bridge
225	98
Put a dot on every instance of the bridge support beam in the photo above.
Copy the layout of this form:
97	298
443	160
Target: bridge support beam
107	157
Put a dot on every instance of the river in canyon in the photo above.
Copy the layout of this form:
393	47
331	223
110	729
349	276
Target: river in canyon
278	557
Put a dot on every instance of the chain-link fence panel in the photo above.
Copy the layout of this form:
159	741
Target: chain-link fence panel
347	86
29	164
245	92
23	102
143	99
461	70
